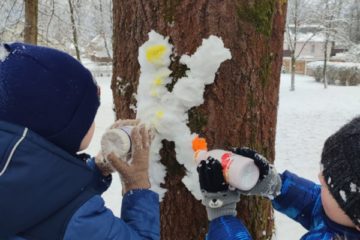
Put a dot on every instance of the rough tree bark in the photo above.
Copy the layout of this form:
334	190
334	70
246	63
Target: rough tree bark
240	107
31	21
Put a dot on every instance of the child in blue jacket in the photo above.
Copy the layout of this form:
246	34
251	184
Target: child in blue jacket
329	211
48	103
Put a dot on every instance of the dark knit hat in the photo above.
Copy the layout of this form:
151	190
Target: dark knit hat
49	92
341	168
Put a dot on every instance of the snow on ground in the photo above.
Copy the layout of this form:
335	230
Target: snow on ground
306	118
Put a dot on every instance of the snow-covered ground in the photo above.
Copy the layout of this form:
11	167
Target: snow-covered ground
306	118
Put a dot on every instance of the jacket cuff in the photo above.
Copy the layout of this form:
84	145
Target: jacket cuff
100	182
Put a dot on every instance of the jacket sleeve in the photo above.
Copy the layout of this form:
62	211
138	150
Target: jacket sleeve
100	183
227	227
298	199
140	212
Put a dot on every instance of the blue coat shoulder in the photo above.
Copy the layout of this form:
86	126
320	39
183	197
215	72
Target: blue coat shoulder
140	219
300	199
47	193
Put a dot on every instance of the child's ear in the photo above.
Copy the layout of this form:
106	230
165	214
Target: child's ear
321	178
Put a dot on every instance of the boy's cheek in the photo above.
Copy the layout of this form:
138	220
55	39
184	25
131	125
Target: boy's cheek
88	137
333	210
328	205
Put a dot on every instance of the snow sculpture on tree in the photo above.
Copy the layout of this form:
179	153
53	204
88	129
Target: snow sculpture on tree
167	111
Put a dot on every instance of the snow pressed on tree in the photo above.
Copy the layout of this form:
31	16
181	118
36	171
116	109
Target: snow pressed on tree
167	111
239	107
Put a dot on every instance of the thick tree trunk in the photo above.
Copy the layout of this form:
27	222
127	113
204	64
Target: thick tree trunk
31	21
240	108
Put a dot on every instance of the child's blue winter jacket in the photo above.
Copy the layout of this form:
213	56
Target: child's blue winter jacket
46	193
300	200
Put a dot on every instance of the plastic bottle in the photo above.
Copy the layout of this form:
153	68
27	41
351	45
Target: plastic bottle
239	172
117	141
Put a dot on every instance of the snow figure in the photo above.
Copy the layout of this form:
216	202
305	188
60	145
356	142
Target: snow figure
166	111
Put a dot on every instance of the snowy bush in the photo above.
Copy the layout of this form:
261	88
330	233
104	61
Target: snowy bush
341	73
353	55
315	69
331	74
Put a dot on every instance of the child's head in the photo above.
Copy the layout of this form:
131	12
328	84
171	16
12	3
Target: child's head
340	176
49	92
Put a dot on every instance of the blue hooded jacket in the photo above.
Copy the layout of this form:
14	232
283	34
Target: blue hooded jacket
47	193
300	200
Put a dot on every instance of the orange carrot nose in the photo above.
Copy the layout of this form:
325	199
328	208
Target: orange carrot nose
199	144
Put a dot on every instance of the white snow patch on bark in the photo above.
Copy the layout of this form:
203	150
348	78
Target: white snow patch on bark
3	53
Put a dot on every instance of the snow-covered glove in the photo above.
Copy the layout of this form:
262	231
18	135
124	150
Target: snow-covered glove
218	199
103	165
101	162
135	173
269	184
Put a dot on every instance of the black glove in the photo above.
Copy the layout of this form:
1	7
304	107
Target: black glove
217	198
211	177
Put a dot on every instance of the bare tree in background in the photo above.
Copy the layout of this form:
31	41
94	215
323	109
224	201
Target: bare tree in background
11	14
102	28
240	108
330	17
74	30
31	21
299	14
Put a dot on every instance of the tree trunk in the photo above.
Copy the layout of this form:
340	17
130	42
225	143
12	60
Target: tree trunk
325	62
240	108
293	69
293	52
327	36
31	21
74	30
102	31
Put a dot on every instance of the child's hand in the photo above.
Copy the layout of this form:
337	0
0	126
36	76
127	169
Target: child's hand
269	184
218	199
102	163
134	175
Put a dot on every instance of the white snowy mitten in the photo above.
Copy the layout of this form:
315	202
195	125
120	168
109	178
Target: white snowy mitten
134	174
108	144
